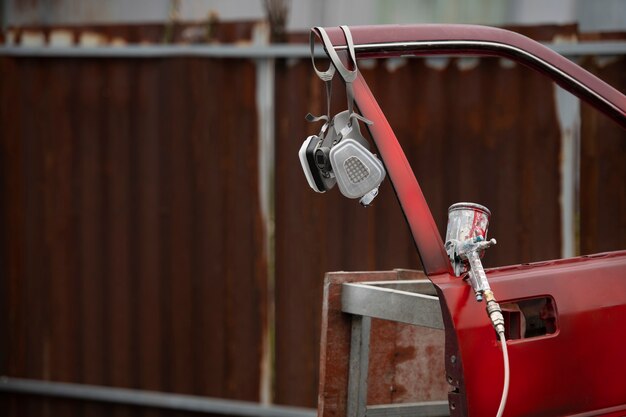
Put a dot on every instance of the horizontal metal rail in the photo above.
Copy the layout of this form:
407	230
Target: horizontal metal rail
154	399
162	51
604	48
589	48
391	304
419	286
424	409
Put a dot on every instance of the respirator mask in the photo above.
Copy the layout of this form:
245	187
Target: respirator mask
339	154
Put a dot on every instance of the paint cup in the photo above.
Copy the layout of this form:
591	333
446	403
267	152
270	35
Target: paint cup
467	221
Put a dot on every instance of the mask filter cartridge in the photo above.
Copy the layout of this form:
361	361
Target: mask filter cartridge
356	169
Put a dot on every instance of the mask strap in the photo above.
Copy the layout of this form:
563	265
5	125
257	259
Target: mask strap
347	75
327	77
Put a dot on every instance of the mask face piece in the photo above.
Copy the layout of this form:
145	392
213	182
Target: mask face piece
342	157
356	169
339	154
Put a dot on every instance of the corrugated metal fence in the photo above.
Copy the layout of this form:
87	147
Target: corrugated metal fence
134	248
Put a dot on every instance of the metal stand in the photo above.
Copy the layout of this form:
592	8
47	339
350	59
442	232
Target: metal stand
412	302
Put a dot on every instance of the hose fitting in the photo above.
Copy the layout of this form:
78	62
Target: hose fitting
494	312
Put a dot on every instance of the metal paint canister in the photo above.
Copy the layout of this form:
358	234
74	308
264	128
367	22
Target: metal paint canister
467	221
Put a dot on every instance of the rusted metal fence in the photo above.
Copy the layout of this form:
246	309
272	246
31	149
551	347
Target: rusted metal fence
137	249
133	246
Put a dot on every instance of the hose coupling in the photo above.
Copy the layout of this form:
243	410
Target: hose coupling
494	311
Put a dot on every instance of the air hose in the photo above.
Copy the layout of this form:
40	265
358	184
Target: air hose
497	320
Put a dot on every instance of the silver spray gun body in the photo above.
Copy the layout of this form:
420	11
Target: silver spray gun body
466	241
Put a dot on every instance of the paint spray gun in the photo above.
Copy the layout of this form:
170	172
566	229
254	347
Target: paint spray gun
466	242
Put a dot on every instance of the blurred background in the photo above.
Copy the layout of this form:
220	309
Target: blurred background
158	233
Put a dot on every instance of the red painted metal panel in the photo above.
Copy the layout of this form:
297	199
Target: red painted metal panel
589	292
418	215
575	370
483	40
499	116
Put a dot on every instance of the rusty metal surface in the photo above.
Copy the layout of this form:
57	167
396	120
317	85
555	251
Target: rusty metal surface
405	362
209	31
130	198
602	171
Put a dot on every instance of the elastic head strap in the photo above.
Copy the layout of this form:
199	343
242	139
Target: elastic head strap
324	75
336	65
347	75
327	77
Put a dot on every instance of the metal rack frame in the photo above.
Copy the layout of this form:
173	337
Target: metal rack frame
411	301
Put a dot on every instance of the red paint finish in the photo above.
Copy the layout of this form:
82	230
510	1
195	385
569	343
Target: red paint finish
418	215
488	41
579	369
